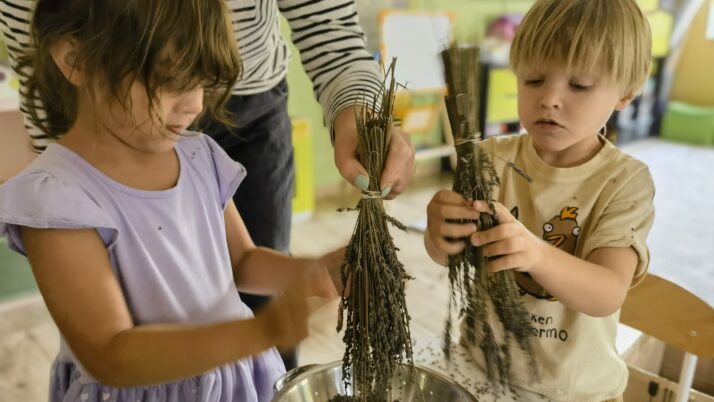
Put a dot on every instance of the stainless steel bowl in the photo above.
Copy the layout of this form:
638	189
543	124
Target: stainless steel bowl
321	382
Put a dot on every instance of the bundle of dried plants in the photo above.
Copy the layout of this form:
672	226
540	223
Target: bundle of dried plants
483	298
373	309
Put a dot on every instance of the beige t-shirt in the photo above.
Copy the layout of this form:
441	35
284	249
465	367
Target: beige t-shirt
605	202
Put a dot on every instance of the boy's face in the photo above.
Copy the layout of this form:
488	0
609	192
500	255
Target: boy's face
563	112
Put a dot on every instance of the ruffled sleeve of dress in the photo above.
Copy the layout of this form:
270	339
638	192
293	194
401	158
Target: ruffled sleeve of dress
228	172
38	199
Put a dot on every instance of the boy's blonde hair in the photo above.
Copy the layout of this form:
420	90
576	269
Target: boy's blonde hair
604	36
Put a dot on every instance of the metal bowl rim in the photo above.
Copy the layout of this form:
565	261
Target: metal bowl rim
328	366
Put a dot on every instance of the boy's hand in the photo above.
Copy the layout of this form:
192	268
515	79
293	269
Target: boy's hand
284	320
444	208
512	243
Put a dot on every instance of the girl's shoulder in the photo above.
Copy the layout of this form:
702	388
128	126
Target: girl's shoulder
48	194
205	158
50	175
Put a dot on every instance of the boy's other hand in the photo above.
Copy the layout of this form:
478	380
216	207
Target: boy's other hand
512	243
443	231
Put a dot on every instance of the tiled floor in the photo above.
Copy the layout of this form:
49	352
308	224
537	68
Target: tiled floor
29	339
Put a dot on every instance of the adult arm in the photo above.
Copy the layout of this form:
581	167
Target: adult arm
333	54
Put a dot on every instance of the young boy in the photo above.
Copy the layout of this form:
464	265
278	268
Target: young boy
575	236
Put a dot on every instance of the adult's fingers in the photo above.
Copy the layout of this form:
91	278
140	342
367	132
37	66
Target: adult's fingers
399	166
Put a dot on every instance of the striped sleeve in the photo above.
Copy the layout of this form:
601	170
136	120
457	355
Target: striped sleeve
15	26
332	51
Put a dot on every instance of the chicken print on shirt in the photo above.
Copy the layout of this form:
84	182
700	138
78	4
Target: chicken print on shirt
561	231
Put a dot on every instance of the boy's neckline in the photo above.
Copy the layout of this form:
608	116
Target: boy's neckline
594	150
537	167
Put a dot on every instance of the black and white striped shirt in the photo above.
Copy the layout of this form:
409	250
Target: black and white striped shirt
326	32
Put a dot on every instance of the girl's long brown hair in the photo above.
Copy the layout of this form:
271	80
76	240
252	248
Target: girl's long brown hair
122	41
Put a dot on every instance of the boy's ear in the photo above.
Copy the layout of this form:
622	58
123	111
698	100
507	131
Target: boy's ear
624	101
64	54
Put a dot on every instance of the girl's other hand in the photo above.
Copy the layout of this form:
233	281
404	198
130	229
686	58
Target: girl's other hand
445	236
512	243
284	320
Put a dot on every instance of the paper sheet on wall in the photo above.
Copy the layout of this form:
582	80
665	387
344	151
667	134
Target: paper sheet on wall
416	40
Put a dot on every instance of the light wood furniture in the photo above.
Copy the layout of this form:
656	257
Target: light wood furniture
674	315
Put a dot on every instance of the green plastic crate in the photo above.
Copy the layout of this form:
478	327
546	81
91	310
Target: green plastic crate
688	123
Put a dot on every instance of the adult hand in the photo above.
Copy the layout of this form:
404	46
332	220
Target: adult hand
398	168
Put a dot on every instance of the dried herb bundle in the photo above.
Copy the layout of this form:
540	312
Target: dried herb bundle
373	309
482	296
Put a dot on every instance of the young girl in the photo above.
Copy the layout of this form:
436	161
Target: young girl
128	222
575	236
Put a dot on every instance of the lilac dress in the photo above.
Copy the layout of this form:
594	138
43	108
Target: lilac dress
168	251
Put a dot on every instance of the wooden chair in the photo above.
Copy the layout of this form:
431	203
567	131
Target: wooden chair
666	311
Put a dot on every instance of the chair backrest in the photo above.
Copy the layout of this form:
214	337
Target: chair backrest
672	314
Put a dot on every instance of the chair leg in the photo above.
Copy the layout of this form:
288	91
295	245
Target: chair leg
686	377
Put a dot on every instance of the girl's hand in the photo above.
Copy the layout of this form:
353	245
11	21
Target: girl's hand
284	320
325	278
447	238
512	243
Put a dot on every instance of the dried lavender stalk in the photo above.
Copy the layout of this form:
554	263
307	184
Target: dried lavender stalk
482	295
373	309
